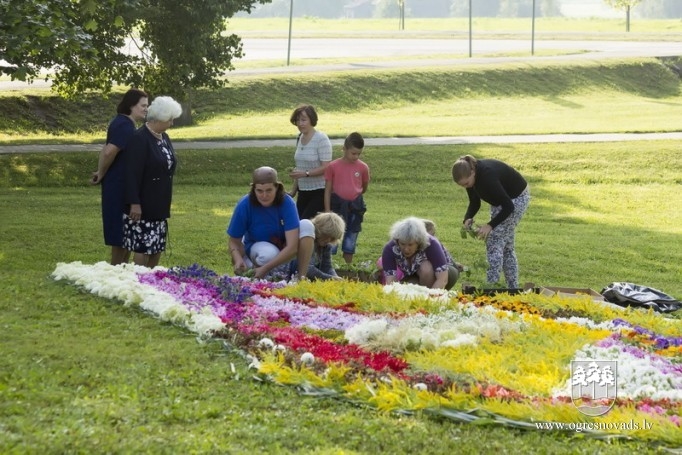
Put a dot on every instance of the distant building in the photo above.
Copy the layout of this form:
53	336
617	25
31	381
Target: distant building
358	8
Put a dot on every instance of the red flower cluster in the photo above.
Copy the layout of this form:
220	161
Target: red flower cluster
329	351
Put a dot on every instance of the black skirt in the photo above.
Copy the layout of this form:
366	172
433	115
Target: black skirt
144	236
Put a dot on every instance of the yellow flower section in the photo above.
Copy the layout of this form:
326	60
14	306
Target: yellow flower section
532	362
391	394
672	351
649	319
394	394
366	297
506	302
275	367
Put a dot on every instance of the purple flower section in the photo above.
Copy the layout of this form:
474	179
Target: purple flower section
661	342
232	299
664	365
196	295
232	289
300	315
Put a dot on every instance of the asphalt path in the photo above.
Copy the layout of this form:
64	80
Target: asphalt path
371	142
414	53
400	48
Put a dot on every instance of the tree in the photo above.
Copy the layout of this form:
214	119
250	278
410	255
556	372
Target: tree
625	5
64	35
181	44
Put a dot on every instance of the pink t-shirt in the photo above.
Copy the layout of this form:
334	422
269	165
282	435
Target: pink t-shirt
347	177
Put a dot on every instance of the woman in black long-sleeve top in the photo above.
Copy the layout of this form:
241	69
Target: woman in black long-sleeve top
505	189
150	165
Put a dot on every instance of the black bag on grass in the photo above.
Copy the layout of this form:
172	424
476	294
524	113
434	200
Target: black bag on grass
629	294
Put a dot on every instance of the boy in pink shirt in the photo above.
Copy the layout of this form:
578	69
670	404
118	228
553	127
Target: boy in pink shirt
347	179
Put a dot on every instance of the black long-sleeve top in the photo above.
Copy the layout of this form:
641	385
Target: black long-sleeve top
496	183
150	165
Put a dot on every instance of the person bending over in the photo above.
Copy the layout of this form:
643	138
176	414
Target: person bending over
418	255
264	231
505	189
328	229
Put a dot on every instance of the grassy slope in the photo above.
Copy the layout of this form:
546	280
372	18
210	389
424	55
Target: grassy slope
530	98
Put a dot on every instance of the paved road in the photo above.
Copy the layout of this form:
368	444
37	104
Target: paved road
452	140
456	50
401	51
319	48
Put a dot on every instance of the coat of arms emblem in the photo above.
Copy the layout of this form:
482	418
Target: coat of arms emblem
593	385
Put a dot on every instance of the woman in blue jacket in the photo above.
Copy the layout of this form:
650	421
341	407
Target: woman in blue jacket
150	165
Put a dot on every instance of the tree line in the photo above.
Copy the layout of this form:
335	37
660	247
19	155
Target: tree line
334	9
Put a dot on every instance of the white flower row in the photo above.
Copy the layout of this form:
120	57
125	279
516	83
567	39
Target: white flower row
590	324
121	283
414	291
449	328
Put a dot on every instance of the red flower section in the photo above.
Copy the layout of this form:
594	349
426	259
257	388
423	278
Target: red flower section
497	391
329	351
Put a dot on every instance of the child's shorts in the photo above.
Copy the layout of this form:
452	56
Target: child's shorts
350	239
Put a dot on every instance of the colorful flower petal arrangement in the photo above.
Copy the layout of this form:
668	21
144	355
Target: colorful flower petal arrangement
503	359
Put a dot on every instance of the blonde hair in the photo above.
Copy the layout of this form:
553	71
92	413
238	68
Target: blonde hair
329	224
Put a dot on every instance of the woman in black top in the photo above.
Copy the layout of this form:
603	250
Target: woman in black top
150	165
507	192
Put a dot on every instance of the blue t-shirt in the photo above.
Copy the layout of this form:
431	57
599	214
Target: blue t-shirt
254	223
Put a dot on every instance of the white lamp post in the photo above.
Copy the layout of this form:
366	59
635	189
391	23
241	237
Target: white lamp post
291	18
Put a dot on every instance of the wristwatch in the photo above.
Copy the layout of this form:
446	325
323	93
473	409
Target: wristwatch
307	173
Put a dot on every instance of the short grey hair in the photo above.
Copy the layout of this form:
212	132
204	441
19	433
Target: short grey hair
163	109
411	229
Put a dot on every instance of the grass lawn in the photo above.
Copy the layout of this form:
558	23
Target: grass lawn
83	374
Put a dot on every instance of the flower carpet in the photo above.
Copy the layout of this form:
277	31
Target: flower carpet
504	359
